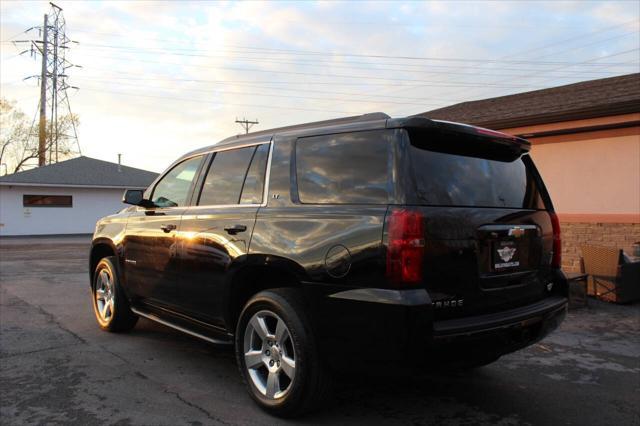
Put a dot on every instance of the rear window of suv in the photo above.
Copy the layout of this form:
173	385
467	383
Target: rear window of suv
446	179
346	168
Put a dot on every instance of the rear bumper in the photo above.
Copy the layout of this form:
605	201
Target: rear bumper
524	316
397	326
496	334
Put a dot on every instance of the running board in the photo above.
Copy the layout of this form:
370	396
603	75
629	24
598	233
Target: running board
159	320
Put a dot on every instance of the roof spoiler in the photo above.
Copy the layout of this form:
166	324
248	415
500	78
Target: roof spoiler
475	140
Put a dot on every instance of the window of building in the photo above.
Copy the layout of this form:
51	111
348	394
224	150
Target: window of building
348	168
47	200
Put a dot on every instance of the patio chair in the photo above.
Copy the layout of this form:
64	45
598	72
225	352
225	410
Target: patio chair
610	278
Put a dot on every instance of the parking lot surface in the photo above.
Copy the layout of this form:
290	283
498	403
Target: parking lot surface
57	367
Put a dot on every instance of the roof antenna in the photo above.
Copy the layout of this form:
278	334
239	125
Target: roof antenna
119	162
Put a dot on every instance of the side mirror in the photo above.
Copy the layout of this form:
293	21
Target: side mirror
136	198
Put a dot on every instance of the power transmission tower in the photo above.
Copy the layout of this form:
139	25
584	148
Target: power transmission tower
54	100
246	124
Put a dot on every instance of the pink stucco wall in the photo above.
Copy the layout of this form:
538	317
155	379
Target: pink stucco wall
596	176
591	173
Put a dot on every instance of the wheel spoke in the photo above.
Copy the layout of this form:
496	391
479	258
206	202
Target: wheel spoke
260	327
281	332
288	366
100	294
104	279
104	310
273	384
253	359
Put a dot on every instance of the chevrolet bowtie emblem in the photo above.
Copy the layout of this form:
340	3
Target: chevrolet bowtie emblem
516	232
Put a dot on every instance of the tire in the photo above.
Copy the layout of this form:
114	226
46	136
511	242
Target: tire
110	305
274	338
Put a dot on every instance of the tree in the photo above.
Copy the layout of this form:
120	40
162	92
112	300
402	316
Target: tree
19	142
14	131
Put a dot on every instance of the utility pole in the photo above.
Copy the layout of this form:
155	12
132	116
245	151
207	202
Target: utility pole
57	134
246	124
42	132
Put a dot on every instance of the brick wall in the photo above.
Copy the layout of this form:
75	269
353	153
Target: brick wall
574	235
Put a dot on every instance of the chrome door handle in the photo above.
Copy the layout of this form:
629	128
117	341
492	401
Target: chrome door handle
233	230
168	228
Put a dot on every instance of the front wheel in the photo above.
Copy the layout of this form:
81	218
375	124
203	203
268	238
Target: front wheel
277	354
110	305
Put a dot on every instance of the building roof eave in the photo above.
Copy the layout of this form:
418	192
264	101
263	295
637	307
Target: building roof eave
60	185
578	114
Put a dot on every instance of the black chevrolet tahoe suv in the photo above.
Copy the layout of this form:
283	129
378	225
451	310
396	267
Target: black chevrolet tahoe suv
318	247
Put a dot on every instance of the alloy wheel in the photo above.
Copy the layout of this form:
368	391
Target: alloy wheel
104	295
269	354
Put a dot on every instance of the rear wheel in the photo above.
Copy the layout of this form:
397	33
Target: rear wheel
277	354
110	305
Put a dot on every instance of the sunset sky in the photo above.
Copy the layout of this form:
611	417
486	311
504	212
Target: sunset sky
161	78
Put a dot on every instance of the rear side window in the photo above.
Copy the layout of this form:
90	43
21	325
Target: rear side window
236	176
348	168
223	183
253	188
445	179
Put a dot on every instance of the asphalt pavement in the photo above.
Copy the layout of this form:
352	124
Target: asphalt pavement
57	367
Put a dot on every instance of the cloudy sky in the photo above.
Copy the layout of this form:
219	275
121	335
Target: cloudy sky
161	78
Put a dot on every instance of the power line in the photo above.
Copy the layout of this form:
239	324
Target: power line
446	70
557	43
359	83
315	60
261	86
573	49
284	96
262	49
301	73
275	95
203	101
589	60
271	51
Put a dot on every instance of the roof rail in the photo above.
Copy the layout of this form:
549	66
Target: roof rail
332	122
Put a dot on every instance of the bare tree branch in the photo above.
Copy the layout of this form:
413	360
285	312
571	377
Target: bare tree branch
19	144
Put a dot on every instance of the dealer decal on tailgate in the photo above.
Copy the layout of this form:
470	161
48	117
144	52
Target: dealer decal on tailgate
506	256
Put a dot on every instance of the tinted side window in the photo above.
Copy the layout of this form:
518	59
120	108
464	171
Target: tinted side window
225	177
172	190
349	168
253	188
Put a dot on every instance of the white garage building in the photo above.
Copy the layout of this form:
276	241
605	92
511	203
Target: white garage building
66	197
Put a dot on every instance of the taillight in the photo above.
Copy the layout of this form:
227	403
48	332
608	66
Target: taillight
556	261
406	247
